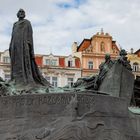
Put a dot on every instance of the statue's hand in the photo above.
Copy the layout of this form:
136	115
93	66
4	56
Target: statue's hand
95	86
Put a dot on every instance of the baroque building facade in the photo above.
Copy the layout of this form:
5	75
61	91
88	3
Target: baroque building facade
59	70
5	68
134	58
84	61
92	52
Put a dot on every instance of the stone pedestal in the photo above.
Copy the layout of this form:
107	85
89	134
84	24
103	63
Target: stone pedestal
83	116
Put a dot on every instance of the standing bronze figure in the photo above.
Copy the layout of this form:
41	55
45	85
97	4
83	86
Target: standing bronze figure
24	70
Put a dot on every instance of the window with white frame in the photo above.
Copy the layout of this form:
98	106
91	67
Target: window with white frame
70	63
47	61
90	65
48	79
70	82
7	77
135	67
53	62
54	81
6	59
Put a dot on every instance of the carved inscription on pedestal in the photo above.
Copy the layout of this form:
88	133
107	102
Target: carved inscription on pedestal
46	99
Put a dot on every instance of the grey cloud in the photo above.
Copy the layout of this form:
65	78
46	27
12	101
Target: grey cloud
56	28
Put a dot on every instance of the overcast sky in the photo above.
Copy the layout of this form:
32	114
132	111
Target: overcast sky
59	23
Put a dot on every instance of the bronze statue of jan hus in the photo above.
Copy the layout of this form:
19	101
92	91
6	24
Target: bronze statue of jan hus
24	70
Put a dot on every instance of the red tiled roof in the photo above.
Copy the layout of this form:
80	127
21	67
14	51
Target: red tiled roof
85	44
138	52
62	62
39	60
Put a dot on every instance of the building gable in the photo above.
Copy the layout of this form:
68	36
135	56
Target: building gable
99	43
137	53
115	48
84	45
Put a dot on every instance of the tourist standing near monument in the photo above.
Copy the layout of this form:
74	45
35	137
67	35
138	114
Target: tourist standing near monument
24	70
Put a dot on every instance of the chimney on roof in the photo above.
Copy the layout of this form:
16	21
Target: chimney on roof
74	47
132	50
102	31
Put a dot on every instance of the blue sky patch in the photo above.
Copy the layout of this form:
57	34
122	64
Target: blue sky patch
72	4
78	2
65	5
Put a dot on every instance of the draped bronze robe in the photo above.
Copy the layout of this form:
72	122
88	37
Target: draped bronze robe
24	69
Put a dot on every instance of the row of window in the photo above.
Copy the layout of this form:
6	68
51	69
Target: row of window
6	59
54	81
135	67
48	62
51	62
54	62
70	63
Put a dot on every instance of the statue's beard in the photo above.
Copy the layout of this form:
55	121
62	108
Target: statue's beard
22	16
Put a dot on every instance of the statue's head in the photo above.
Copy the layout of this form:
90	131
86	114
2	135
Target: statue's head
107	56
21	14
123	52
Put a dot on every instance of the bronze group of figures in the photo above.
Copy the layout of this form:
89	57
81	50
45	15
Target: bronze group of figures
94	82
